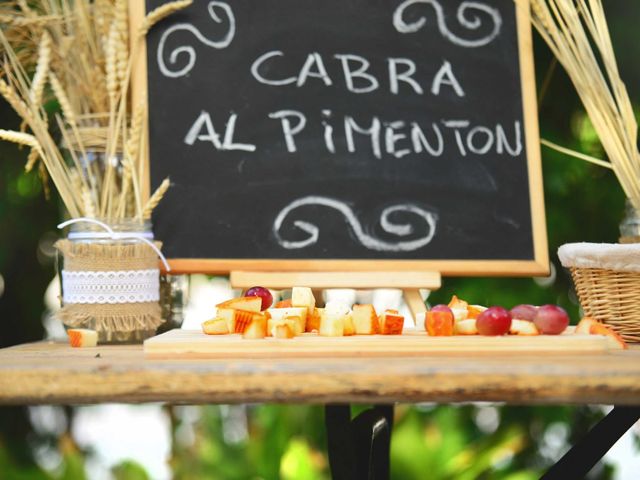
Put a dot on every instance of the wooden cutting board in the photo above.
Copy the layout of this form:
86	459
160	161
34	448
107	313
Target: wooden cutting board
195	344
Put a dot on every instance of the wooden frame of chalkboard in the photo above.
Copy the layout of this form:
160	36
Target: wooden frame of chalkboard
537	263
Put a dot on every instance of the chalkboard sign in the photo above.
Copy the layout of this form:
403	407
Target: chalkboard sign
346	134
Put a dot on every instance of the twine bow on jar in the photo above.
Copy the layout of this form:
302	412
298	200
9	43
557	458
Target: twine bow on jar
145	237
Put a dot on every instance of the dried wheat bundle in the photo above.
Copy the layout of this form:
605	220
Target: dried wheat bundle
78	53
577	33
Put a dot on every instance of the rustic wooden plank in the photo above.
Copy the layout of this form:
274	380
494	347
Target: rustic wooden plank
191	344
46	373
450	268
390	279
530	113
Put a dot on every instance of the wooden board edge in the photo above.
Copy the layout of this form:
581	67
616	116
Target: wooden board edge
137	12
454	268
532	135
346	279
411	344
202	355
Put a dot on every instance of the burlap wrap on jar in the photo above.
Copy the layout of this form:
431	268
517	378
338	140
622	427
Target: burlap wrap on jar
113	288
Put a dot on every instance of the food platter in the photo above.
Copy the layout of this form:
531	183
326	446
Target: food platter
193	344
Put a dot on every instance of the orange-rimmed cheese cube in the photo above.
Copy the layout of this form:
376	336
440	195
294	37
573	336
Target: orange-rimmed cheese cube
365	320
256	327
523	327
349	328
82	337
299	312
283	304
283	330
460	308
313	320
465	327
294	323
598	328
455	302
474	311
584	326
251	304
391	323
216	326
439	323
242	319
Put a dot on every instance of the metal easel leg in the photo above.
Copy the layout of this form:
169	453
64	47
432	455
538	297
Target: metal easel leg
577	462
359	448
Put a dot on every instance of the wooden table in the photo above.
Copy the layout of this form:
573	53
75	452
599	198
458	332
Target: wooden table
49	373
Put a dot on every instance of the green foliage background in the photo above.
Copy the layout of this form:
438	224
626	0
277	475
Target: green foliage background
583	203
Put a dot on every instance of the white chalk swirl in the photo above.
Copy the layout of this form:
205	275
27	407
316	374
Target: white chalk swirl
470	22
188	49
368	241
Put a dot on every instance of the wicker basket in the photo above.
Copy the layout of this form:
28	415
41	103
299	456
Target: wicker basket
611	297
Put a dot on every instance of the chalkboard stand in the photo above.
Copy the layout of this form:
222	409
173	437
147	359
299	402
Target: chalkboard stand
409	282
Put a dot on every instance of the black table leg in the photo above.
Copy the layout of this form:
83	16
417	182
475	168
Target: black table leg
337	419
577	462
359	448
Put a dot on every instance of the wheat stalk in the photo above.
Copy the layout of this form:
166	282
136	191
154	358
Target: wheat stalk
25	8
44	178
111	66
135	135
81	50
25	139
32	159
576	32
160	13
19	106
154	200
121	22
102	15
42	69
20	138
20	21
87	203
63	99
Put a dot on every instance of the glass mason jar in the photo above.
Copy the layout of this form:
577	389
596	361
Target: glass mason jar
174	296
110	280
630	225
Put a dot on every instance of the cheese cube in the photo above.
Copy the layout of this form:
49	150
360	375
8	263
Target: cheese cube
283	331
313	320
331	326
523	327
256	327
216	326
335	320
465	327
391	323
303	297
299	312
293	322
251	304
82	337
365	320
349	328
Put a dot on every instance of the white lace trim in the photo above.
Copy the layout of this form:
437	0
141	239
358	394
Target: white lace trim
121	286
